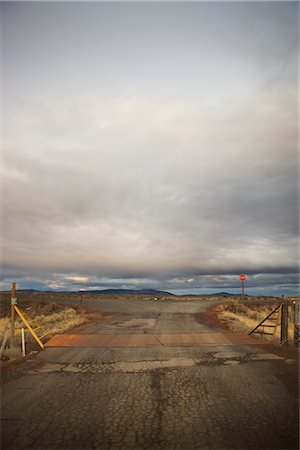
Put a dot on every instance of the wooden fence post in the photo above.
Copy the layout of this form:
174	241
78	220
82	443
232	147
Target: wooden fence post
13	302
5	337
296	323
284	324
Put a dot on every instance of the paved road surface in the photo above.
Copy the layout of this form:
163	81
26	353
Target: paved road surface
151	397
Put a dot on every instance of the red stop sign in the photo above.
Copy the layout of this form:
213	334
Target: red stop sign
243	277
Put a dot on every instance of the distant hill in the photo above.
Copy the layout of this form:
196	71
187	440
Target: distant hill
221	294
151	292
31	290
216	294
146	292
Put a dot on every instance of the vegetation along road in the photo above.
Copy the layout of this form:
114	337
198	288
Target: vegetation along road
152	375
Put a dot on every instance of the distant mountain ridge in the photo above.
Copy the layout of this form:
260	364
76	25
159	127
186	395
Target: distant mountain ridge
215	294
148	292
153	292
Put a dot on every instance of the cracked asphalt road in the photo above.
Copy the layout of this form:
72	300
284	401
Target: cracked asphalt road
200	397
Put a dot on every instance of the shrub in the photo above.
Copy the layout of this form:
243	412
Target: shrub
235	306
12	353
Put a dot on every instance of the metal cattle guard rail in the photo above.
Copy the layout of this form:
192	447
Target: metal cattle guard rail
26	320
274	317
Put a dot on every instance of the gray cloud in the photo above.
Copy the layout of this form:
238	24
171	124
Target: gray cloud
187	168
257	284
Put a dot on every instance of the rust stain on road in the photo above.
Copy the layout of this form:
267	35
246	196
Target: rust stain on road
144	340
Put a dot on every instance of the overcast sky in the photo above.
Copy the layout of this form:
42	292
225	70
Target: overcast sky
150	145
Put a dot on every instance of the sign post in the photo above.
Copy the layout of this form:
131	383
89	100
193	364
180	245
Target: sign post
243	279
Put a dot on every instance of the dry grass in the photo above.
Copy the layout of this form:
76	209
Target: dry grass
12	353
243	317
52	323
3	323
57	322
60	322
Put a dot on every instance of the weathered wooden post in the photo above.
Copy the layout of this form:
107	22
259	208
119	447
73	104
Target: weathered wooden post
13	302
284	324
5	337
296	323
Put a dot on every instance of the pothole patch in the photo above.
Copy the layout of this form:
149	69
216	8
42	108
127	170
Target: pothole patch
264	357
50	367
145	366
135	323
231	362
227	354
72	369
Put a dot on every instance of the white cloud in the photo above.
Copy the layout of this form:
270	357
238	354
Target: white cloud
77	279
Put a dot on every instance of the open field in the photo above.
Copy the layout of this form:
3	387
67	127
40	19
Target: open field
85	298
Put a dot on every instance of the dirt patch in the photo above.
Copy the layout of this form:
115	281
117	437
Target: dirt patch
211	319
92	318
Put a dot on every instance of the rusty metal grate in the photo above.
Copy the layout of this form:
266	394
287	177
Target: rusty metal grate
271	323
